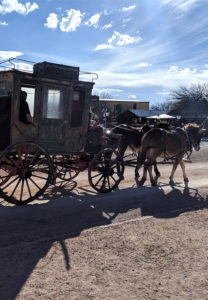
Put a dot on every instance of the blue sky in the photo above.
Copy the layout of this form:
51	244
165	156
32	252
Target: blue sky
140	49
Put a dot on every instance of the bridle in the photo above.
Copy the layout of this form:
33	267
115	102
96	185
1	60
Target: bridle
189	139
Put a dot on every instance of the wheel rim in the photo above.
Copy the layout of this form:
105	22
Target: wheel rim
26	170
65	170
106	171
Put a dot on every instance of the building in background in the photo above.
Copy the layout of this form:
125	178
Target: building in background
138	116
116	106
112	108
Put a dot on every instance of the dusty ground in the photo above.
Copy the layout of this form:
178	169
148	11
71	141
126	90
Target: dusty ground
135	243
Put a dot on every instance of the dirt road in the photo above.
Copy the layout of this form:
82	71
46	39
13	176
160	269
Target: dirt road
135	243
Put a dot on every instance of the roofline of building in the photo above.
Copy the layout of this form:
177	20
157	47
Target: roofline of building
123	100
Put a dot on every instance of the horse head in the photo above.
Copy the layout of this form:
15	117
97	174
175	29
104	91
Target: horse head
194	132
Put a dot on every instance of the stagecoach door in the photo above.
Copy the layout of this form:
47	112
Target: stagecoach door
52	116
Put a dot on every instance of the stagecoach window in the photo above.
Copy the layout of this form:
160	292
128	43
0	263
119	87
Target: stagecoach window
77	108
30	98
76	96
53	104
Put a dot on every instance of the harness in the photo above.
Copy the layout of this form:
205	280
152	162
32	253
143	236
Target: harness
187	149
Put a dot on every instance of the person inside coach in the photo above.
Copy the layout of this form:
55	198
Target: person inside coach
24	115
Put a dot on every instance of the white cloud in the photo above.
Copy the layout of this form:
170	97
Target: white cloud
24	67
103	46
185	71
106	12
107	26
126	20
106	91
93	21
72	21
132	96
128	8
52	21
164	93
8	6
182	5
143	65
123	39
118	39
4	24
8	54
157	78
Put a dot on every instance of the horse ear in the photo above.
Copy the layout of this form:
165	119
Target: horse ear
201	129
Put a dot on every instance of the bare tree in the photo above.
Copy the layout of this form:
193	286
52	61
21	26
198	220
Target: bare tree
190	100
105	96
165	106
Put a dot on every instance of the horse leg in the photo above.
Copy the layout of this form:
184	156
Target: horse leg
140	160
157	173
175	164
185	178
152	180
144	177
121	150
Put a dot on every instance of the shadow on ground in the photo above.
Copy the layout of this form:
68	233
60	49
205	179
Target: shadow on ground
66	214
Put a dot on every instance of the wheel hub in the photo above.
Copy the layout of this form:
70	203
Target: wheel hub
107	171
25	173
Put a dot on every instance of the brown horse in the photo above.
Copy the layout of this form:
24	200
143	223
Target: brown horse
131	137
171	144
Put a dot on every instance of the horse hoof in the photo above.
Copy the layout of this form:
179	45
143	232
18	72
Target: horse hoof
141	182
171	182
154	183
186	180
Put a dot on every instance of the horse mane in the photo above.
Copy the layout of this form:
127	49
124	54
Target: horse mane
190	125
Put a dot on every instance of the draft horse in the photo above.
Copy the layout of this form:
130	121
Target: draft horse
169	144
131	137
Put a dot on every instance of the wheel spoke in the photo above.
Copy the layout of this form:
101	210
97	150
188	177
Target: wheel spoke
35	155
28	187
22	187
35	183
15	187
39	169
113	178
99	180
108	182
103	184
9	183
5	176
33	175
26	159
12	161
38	162
96	175
20	157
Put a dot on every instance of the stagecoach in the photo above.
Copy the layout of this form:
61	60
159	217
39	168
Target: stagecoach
58	144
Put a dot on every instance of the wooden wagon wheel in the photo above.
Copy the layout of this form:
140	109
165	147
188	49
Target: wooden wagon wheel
26	171
65	168
106	170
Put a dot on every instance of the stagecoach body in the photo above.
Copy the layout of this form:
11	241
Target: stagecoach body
58	142
59	104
